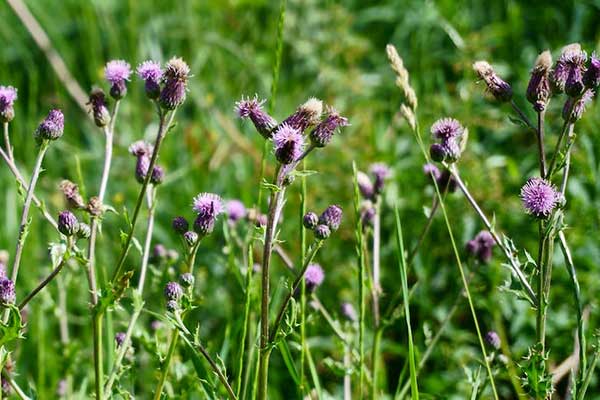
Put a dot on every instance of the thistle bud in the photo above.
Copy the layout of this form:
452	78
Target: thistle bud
173	291
253	109
538	89
180	225
187	280
308	114
175	80
324	131
437	152
310	220
67	223
380	172
71	192
8	95
120	338
117	72
322	232
495	85
99	108
52	127
332	217
7	292
158	175
493	339
141	168
84	231
365	186
172	306
190	238
591	77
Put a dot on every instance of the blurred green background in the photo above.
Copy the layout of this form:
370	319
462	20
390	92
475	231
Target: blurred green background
334	51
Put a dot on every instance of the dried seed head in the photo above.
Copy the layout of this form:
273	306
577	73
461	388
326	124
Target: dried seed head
321	135
308	114
538	89
495	85
402	77
71	192
95	207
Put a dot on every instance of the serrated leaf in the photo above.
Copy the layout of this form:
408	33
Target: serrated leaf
11	330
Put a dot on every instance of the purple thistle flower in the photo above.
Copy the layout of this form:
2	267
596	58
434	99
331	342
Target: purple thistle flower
591	77
67	223
99	108
52	127
187	280
208	206
173	291
324	131
539	197
569	69
322	232
577	106
261	220
120	338
450	133
289	143
253	109
310	220
141	168
150	72
308	114
235	210
7	292
175	80
158	175
381	172
538	89
180	225
190	238
332	217
313	277
71	192
365	186
446	128
495	85
493	339
481	246
367	214
432	171
8	95
116	73
141	148
348	311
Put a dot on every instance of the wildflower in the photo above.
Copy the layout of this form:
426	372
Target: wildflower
173	291
190	238
235	210
367	214
308	114
141	148
322	232
175	80
446	182
158	175
380	171
365	186
8	95
52	127
253	109
446	128
187	280
83	231
310	220
591	77
99	107
180	225
576	107
348	311
481	246
71	192
7	292
538	89
289	144
150	72
67	223
95	207
495	85
569	69
116	73
313	277
321	135
141	168
172	306
450	133
120	338
539	197
332	217
493	339
208	206
432	171
437	152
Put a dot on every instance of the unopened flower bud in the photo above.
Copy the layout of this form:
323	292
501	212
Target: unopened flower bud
99	108
67	223
322	232
191	238
495	85
180	225
310	220
187	280
52	127
84	231
8	95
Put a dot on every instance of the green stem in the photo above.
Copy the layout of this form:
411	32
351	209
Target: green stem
247	298
303	342
98	362
166	364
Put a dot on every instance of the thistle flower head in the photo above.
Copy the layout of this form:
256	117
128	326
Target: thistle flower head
495	85
172	305
493	339
208	206
310	220
117	72
71	192
322	232
7	292
450	134
141	168
175	80
99	108
365	185
308	114
236	210
67	223
348	311
591	77
52	127
332	217
190	238
158	175
288	143
141	148
313	277
120	338
569	69
151	73
481	246
84	231
253	108
574	108
446	128
380	172
187	280
324	131
539	197
8	95
367	214
538	89
180	225
173	291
